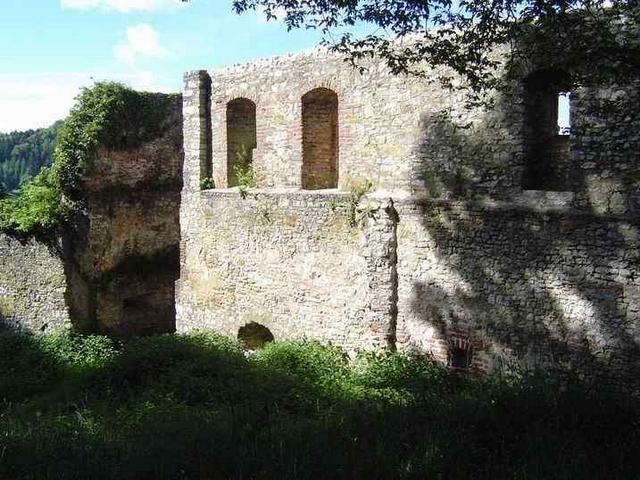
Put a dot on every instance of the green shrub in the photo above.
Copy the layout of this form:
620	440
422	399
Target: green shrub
79	352
36	209
358	189
193	406
399	371
207	183
246	178
308	361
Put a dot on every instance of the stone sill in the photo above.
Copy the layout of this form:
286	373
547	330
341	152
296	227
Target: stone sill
534	201
235	191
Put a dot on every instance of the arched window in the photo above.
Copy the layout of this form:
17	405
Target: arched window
241	137
547	128
319	139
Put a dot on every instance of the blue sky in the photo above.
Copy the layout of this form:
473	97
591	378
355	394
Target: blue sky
51	48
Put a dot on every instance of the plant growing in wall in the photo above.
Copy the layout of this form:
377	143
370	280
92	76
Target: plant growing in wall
246	178
358	189
207	183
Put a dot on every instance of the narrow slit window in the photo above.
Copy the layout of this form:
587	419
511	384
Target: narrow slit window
547	128
564	113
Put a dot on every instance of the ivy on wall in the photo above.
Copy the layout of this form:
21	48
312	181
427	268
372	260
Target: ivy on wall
108	115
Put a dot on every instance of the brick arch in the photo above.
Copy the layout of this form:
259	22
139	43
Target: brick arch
320	142
241	136
332	84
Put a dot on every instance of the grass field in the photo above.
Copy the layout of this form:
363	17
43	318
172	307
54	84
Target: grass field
194	407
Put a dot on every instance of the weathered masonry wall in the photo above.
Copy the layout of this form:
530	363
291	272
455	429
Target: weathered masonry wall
313	106
528	285
38	289
126	244
294	263
410	134
453	250
113	269
512	285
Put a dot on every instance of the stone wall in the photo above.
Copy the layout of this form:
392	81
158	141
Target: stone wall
113	268
449	252
381	120
296	263
410	134
604	146
126	241
39	289
524	284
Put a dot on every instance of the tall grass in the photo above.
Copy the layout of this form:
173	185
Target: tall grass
194	407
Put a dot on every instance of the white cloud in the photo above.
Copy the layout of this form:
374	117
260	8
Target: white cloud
32	101
124	6
141	41
37	100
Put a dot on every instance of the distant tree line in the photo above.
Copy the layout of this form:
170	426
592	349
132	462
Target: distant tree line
23	154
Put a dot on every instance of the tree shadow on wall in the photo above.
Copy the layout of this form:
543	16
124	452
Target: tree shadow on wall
548	288
456	159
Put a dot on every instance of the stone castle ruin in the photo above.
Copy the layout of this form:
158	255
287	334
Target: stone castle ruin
113	270
373	211
387	214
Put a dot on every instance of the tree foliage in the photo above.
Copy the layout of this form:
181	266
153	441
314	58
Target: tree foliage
592	38
23	154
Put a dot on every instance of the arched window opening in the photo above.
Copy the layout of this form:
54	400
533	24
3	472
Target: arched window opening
320	139
547	130
254	336
460	354
241	138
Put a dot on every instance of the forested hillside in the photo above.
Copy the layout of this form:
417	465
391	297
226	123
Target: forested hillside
23	154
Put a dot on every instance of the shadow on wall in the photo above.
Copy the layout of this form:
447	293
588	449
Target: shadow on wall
554	287
464	160
496	155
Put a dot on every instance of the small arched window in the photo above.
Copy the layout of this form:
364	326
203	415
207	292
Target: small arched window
241	138
320	139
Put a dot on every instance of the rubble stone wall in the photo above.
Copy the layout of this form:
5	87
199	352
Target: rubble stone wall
296	263
447	252
39	288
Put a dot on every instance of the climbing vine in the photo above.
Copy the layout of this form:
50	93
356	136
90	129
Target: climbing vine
108	115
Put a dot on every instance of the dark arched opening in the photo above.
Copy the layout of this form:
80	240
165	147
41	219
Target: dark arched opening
241	138
319	139
254	336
